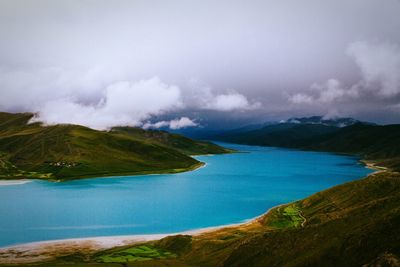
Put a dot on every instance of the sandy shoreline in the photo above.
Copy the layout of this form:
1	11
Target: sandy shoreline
48	250
14	182
372	165
111	241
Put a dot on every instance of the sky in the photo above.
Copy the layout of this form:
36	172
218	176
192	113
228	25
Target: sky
203	63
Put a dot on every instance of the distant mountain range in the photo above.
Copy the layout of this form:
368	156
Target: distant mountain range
62	152
315	125
337	122
344	135
210	132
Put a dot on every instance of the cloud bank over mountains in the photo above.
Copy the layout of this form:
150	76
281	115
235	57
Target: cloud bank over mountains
102	64
55	100
120	104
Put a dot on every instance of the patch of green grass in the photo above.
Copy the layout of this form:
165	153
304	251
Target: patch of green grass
286	217
10	171
354	224
137	253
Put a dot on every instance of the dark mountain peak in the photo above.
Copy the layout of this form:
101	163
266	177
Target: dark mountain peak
336	122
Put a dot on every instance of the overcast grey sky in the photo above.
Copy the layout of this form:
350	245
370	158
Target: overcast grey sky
106	63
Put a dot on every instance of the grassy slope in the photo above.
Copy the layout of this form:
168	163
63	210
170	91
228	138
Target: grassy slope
284	134
178	142
31	150
348	225
381	143
354	224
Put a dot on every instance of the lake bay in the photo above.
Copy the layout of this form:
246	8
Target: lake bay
231	188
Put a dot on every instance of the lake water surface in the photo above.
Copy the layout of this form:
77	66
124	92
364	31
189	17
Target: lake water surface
229	189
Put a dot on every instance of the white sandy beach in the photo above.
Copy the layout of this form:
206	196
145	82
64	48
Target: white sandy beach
48	250
14	182
112	241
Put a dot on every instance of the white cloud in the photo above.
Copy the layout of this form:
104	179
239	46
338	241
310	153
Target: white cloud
379	65
205	98
329	91
28	90
257	49
332	90
301	99
229	102
183	122
95	98
123	103
325	93
332	114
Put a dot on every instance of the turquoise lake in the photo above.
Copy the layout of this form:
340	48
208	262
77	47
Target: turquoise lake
231	188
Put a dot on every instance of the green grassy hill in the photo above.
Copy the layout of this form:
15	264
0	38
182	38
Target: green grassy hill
283	135
355	224
381	143
72	151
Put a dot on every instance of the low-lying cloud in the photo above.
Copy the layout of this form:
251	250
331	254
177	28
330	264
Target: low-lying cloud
95	99
122	103
183	122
